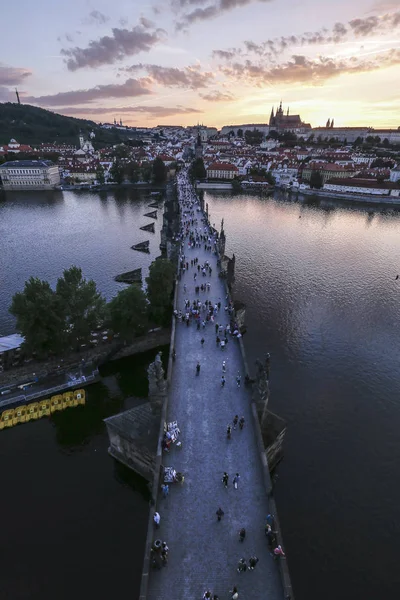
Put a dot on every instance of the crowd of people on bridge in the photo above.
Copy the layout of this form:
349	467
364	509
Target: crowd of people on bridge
205	313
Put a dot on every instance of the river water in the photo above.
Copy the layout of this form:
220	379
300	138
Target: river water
319	285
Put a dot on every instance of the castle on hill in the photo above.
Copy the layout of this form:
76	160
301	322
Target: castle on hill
282	122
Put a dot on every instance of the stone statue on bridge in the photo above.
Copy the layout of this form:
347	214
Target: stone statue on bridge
157	383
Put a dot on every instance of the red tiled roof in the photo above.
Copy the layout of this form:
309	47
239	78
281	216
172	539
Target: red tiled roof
221	167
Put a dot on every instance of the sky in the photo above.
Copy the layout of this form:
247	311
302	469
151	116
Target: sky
216	62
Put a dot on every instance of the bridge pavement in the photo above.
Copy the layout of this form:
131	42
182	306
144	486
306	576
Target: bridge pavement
203	553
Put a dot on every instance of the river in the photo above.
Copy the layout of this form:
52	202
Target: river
321	295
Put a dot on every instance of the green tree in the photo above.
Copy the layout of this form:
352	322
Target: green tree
100	174
160	285
146	172
240	132
127	312
82	305
159	170
316	180
270	178
39	318
132	172
198	170
117	172
253	138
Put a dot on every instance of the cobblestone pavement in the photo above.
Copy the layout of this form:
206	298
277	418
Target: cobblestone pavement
203	553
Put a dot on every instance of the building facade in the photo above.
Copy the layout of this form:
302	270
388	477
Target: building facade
222	171
29	175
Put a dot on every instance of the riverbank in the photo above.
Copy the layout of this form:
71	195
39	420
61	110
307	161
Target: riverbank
113	187
43	371
357	198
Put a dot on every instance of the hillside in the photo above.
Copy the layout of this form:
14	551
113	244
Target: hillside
32	125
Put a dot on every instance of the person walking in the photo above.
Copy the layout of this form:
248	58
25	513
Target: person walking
235	421
278	552
165	490
228	432
253	560
222	381
242	534
241	422
198	368
234	593
223	366
220	513
235	481
242	566
157	519
202	341
225	479
238	379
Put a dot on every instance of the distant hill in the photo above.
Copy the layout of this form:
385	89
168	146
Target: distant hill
32	125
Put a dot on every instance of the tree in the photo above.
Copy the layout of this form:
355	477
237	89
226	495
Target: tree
117	172
253	138
240	132
270	178
132	172
82	305
100	174
159	170
39	318
160	284
273	135
316	180
121	151
146	172
127	312
198	170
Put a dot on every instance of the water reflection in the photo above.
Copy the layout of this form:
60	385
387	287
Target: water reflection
322	298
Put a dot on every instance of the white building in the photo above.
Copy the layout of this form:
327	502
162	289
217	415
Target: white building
29	175
395	174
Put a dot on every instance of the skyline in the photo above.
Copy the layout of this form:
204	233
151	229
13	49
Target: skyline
214	61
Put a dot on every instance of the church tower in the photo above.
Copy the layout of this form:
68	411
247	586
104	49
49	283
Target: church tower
272	117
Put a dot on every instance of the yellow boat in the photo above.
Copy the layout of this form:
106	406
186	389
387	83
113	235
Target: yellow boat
19	415
32	411
44	408
69	400
80	396
8	417
56	403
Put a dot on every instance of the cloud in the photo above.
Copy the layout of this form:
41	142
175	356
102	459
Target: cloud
209	12
146	23
131	87
95	18
226	54
13	75
157	111
359	28
217	96
303	70
187	77
109	49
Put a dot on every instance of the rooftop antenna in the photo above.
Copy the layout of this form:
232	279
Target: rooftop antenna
18	100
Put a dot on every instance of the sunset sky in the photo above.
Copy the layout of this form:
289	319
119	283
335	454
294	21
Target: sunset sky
210	61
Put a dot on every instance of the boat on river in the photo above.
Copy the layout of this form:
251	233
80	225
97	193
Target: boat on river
15	411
